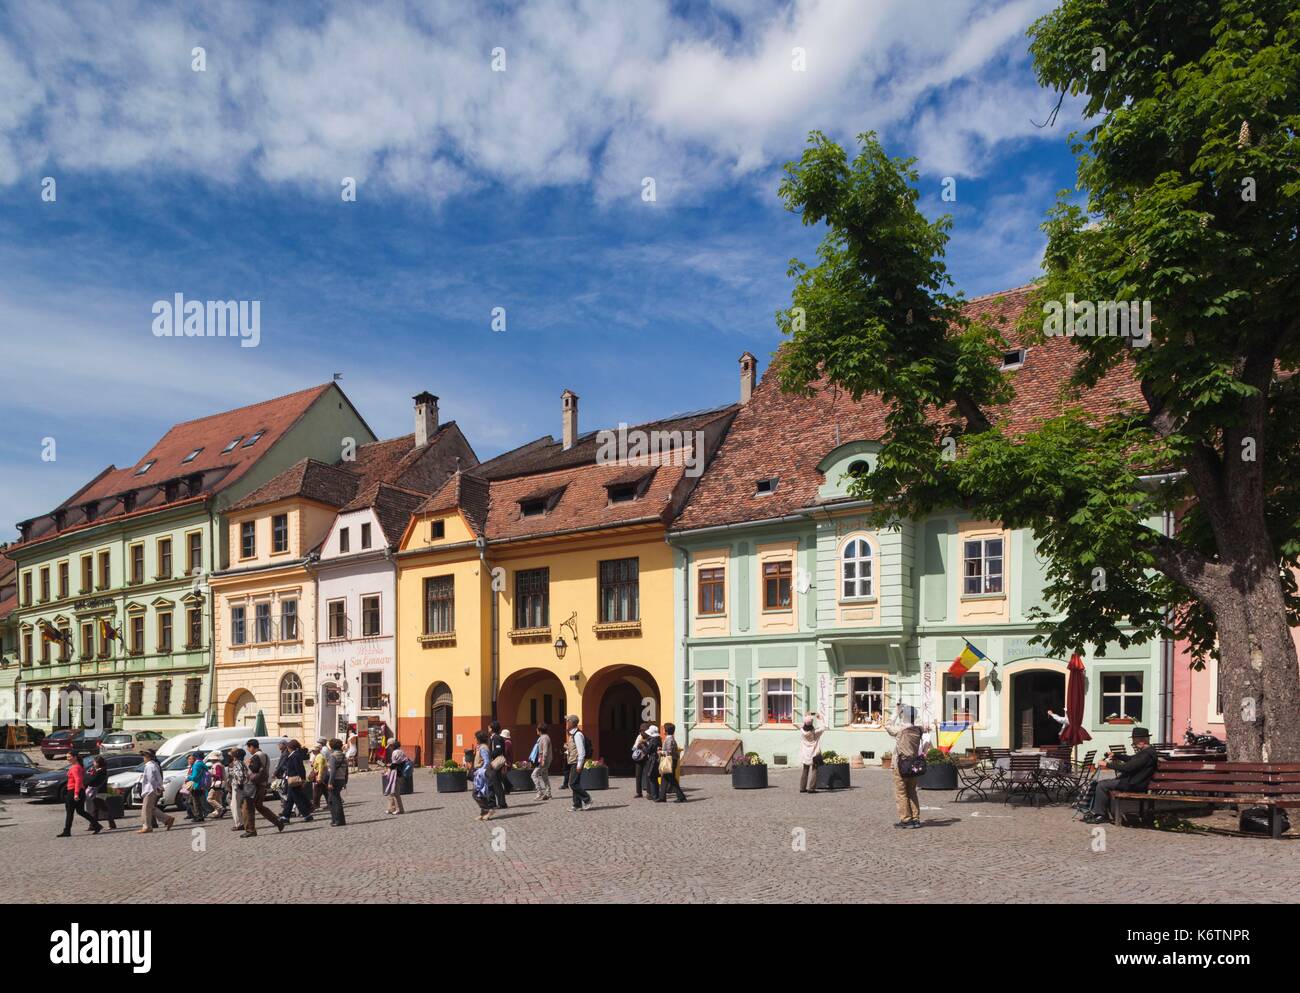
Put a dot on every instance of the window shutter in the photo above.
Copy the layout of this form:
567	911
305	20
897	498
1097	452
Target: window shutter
733	706
688	703
755	704
840	702
799	707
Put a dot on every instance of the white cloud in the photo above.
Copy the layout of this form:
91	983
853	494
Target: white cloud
402	96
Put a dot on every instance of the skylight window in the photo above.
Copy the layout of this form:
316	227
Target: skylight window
622	493
253	439
231	446
1014	358
192	456
532	508
146	467
766	486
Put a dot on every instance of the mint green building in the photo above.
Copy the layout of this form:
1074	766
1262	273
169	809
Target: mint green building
114	614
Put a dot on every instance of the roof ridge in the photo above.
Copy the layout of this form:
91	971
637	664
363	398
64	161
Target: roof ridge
1000	293
248	406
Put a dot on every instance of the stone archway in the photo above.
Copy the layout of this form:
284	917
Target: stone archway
528	698
615	700
241	709
1027	688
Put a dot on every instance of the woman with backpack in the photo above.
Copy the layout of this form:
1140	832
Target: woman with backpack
216	787
197	782
336	776
668	756
398	767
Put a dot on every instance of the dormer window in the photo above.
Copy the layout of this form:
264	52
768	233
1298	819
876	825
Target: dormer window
1014	358
537	504
622	493
231	446
858	468
192	456
146	467
532	508
252	440
766	486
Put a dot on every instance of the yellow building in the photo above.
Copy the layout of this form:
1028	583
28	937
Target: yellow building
540	584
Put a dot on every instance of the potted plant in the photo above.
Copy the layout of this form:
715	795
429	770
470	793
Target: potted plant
451	777
886	760
749	772
520	776
115	802
833	773
595	775
940	773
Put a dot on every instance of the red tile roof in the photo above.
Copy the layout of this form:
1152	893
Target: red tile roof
122	493
328	484
786	436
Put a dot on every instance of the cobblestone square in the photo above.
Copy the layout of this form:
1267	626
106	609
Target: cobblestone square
725	845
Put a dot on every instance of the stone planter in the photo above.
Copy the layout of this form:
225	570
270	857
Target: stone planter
749	777
887	762
595	779
833	776
938	776
452	782
520	779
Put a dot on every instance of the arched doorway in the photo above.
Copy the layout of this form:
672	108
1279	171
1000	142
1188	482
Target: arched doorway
1033	693
528	698
437	728
241	709
614	703
329	710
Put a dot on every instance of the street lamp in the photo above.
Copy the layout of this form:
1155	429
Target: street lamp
561	646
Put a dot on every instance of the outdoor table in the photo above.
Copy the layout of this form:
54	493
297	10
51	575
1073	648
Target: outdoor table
1045	764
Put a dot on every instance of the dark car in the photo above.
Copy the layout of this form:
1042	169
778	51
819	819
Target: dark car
57	743
14	768
34	736
52	786
87	741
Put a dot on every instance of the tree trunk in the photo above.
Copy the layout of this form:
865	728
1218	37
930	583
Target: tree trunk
1258	673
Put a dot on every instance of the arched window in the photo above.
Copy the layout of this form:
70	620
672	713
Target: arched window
290	695
855	569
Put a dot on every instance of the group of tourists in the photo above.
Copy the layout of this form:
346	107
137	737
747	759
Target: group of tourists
86	794
656	761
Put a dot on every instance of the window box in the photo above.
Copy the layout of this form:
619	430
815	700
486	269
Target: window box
617	629
523	635
438	640
1119	720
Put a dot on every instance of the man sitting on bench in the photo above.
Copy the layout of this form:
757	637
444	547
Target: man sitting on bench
1134	772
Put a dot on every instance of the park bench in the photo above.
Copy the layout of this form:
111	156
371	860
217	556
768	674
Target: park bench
1180	783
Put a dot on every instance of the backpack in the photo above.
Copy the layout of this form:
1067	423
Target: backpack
340	777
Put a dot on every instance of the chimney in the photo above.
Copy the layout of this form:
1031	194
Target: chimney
748	369
569	415
426	418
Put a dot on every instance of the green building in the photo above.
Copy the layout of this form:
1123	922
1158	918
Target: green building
114	614
790	601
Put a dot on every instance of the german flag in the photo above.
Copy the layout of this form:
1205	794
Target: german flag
107	632
50	633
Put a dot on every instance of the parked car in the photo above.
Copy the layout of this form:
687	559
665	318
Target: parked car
119	742
52	786
34	735
175	766
14	768
87	741
57	743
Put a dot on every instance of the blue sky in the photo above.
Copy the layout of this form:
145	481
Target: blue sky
476	189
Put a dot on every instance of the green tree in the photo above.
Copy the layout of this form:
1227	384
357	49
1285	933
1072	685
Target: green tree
1190	168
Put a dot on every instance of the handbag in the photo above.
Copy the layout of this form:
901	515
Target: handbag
248	791
295	781
499	763
665	765
911	767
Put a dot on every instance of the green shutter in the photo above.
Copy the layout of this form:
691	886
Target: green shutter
688	703
733	706
840	702
755	704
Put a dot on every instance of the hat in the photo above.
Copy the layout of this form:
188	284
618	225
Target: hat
505	733
572	717
213	757
1141	732
322	742
653	731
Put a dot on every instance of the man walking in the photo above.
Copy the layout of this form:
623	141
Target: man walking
151	786
336	779
575	754
259	774
543	753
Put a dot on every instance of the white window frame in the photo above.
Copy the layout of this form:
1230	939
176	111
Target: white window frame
984	575
961	694
845	559
293	696
379	615
884	699
1123	693
701	694
763	682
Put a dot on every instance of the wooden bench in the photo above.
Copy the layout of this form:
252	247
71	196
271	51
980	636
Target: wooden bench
1180	782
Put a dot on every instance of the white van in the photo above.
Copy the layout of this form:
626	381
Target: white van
203	739
174	766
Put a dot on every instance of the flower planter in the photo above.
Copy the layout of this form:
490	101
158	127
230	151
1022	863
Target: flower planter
520	779
595	779
116	807
833	776
887	762
452	782
938	776
749	777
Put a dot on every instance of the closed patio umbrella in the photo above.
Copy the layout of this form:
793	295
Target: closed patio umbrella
1074	732
259	727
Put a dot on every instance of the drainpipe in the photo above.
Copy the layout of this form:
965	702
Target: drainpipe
496	624
1167	662
212	618
686	631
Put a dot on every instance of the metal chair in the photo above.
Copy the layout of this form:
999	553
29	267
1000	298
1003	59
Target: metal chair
1025	778
972	778
998	776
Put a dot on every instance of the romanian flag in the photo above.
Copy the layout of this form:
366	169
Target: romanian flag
950	733
968	657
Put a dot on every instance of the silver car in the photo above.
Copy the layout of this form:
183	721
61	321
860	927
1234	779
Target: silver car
122	742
